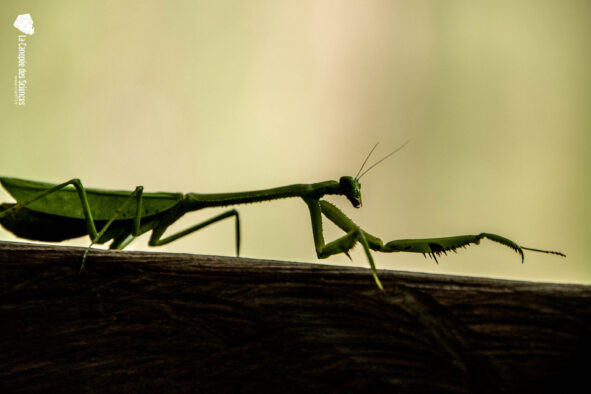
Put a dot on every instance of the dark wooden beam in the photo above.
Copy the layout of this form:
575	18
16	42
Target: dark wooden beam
142	322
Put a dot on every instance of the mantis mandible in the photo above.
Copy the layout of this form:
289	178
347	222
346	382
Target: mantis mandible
57	212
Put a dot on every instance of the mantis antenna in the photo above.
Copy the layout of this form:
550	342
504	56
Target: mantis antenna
366	158
358	177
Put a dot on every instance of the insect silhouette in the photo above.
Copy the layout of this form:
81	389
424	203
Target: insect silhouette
57	212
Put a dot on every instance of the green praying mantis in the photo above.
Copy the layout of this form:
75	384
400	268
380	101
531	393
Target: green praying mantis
57	212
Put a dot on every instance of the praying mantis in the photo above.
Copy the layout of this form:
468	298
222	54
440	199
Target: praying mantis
57	212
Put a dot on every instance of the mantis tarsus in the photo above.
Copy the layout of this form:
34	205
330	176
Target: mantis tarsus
56	212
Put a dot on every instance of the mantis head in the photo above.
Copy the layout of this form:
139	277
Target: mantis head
351	188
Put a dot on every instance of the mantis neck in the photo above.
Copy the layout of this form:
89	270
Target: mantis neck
196	201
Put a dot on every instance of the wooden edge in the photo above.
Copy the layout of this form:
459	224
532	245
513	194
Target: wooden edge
165	322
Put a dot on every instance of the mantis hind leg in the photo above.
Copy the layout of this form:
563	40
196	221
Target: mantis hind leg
120	242
157	240
138	194
90	225
91	228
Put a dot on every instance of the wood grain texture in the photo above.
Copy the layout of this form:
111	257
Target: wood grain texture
140	322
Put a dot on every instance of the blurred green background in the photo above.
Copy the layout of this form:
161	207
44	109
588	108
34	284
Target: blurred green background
221	96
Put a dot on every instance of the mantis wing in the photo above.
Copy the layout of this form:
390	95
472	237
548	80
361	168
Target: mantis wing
66	202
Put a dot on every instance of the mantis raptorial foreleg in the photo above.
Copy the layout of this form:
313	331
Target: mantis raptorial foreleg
337	216
427	246
157	240
437	246
346	242
340	245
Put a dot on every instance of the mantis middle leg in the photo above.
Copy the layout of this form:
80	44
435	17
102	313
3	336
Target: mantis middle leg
157	240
